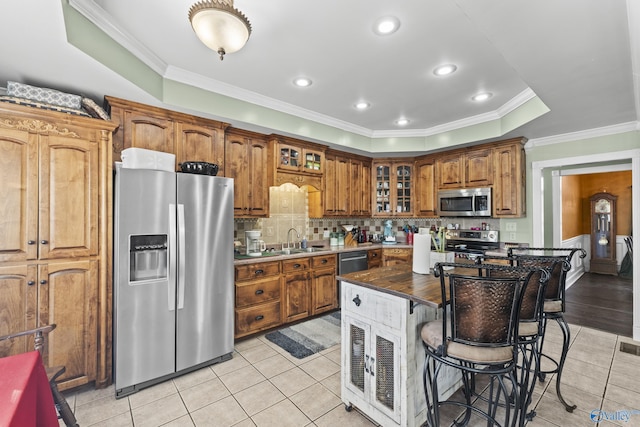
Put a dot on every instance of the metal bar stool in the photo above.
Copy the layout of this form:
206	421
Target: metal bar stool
478	335
554	304
530	324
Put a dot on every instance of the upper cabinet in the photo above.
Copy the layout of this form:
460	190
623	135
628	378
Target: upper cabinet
296	161
247	163
347	190
394	184
189	137
426	194
465	169
509	199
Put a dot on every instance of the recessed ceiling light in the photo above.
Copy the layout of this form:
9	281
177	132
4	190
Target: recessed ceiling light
362	105
402	122
482	96
386	25
444	70
302	82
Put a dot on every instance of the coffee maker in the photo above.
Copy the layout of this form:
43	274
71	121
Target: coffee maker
254	245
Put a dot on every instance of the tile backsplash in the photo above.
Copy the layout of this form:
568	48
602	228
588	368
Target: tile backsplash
289	208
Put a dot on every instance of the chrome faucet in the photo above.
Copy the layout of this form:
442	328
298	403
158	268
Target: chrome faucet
289	236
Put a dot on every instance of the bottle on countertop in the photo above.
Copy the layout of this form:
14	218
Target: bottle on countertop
303	244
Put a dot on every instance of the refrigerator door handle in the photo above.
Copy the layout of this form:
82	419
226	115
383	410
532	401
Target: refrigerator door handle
171	285
181	256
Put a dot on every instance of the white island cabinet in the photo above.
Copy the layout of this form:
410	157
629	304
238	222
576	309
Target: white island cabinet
382	356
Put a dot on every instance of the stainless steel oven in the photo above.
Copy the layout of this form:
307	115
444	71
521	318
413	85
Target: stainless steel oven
469	244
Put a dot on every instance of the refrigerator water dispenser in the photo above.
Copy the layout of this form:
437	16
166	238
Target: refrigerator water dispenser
147	257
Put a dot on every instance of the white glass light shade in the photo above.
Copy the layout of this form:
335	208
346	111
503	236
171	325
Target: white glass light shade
219	26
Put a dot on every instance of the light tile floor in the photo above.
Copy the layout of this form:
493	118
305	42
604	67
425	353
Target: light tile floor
262	385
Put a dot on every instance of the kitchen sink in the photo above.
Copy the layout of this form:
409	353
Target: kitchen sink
300	251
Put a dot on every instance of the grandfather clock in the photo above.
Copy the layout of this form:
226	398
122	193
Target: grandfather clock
603	233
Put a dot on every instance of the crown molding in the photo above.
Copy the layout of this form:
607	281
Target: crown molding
583	134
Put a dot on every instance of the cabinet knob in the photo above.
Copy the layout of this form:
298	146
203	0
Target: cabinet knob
324	261
31	283
259	317
357	301
296	265
31	242
258	272
43	282
259	292
44	242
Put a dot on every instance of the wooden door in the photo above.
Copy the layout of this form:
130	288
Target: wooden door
324	290
478	168
68	198
508	189
19	195
149	132
403	183
200	144
342	188
297	301
365	178
237	167
426	201
330	186
68	297
17	307
450	171
258	177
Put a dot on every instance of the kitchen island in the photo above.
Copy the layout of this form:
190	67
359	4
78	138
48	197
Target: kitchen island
383	310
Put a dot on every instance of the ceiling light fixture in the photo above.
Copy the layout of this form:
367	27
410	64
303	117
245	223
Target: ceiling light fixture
386	25
362	105
220	26
302	82
444	70
481	97
402	122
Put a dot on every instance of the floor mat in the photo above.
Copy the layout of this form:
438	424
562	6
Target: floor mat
304	339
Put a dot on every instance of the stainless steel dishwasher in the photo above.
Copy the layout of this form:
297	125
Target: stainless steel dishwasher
349	262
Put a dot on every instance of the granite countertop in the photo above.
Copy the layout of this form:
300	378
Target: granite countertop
401	281
315	249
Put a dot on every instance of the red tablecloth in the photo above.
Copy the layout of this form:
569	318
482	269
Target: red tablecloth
25	396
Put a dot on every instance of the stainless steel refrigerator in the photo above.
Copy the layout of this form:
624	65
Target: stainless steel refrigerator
173	275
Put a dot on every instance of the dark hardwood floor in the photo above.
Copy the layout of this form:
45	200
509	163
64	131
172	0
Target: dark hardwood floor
601	302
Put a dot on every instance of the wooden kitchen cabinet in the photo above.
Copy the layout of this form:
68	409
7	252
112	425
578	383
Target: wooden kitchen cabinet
336	192
55	237
258	297
374	258
394	184
509	196
324	289
393	256
465	169
190	138
298	162
426	192
360	186
247	163
297	289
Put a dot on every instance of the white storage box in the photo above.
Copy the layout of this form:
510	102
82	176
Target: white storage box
140	158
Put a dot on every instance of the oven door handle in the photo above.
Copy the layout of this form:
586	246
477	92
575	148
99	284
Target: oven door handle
353	259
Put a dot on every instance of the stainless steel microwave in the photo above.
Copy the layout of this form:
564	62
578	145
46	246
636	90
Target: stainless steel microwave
465	202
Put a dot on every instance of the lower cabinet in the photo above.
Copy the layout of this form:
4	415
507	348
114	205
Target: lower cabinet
297	289
258	297
374	258
382	356
324	290
64	293
393	256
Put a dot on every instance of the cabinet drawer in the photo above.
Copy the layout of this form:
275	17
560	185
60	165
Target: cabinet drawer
323	261
298	264
257	318
257	292
397	251
257	270
376	306
374	254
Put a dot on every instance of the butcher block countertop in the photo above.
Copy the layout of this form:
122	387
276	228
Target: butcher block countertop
401	281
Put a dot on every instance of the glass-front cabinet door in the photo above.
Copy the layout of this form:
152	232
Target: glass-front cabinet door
290	157
393	189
